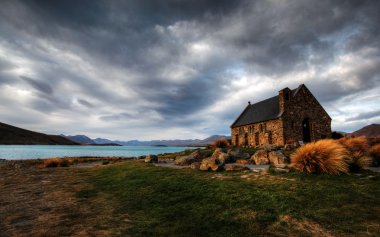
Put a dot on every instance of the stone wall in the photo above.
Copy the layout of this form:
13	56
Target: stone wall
270	132
300	107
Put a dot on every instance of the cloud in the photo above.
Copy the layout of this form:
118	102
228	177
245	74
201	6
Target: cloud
169	69
364	116
38	85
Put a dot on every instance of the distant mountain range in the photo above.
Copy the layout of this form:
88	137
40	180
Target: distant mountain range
11	135
177	142
372	130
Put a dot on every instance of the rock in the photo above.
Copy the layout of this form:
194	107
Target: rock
235	167
220	156
184	160
211	164
289	147
281	170
151	159
236	154
242	162
196	155
277	157
195	165
260	157
268	147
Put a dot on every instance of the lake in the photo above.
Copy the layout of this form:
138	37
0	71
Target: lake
20	152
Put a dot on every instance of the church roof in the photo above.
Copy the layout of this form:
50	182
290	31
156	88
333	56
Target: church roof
261	111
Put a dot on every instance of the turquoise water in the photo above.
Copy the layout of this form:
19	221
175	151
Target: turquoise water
20	152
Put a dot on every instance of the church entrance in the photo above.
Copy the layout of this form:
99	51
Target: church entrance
306	130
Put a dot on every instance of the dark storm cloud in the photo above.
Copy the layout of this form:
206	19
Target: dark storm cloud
169	60
363	116
85	103
38	85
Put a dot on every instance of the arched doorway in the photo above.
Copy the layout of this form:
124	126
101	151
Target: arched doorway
306	130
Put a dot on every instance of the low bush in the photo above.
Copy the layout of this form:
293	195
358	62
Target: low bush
374	152
52	162
358	152
355	144
324	156
221	143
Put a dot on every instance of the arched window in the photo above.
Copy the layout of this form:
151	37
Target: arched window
261	128
287	96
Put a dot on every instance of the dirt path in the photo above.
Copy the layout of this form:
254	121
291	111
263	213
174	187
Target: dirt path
43	202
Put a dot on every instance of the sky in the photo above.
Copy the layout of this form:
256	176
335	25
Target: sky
182	69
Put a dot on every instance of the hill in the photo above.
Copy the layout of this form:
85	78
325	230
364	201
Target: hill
79	139
11	135
372	130
176	142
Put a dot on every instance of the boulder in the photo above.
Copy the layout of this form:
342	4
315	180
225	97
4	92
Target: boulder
220	156
211	164
236	154
235	167
260	157
281	170
268	147
151	159
196	155
289	147
183	160
277	157
195	165
242	162
187	160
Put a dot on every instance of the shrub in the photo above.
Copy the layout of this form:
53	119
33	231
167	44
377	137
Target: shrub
336	135
358	160
52	162
221	143
324	156
358	152
355	144
375	154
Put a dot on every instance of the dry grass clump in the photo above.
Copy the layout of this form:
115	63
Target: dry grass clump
358	152
52	162
324	156
58	162
375	154
355	144
221	143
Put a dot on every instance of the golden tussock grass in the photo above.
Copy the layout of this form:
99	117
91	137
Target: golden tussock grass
374	152
358	148
324	156
58	162
355	144
221	143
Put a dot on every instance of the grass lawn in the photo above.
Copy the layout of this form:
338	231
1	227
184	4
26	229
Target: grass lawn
166	202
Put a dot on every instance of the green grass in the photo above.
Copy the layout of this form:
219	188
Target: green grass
166	202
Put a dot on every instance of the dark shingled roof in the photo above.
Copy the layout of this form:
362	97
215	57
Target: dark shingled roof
262	111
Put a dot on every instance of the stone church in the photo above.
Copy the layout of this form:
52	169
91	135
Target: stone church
291	116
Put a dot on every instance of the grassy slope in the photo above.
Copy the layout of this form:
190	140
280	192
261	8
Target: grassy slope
11	135
165	202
